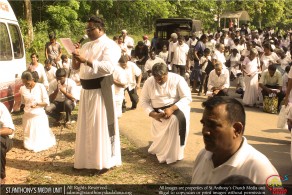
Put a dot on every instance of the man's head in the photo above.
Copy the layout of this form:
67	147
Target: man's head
123	61
223	124
61	75
120	39
140	44
204	38
48	64
220	47
34	58
181	40
160	73
64	58
253	53
124	32
218	68
234	51
236	41
267	48
272	69
152	54
95	27
52	37
173	37
207	52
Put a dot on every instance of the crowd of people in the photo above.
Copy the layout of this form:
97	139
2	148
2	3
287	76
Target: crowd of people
102	70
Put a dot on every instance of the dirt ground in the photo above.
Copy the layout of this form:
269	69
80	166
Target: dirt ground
55	166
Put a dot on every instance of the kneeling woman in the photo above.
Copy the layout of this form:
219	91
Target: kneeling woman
37	133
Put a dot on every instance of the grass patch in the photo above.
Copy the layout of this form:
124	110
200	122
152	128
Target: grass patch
51	167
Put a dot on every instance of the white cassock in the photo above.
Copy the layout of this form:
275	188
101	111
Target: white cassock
93	147
166	140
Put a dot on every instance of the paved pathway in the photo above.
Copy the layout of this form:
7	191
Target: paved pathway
261	132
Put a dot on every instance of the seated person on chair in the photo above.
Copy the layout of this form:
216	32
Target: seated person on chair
166	97
62	94
219	82
271	82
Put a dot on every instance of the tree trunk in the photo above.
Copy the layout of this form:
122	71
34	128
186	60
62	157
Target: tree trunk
28	18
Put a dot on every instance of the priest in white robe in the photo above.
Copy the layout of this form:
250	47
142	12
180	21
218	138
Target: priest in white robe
166	97
97	138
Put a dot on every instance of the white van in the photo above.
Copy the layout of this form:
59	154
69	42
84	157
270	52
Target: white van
12	57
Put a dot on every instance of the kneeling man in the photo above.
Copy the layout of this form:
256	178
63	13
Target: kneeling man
166	98
62	93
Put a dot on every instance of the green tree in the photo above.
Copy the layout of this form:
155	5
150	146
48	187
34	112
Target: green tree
63	16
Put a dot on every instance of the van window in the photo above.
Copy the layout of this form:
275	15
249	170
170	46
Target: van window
5	49
16	41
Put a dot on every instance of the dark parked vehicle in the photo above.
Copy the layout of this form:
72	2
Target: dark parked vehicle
164	27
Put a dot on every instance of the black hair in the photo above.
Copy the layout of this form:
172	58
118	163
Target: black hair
268	46
48	61
159	69
235	110
115	38
204	36
98	22
61	72
151	51
123	59
272	67
63	56
237	179
180	37
207	51
287	69
34	54
52	35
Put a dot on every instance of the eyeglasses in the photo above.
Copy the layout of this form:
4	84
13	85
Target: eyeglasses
90	29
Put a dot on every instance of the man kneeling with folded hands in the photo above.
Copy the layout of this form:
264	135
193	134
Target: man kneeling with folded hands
166	98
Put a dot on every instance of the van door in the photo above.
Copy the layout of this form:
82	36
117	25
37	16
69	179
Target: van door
12	58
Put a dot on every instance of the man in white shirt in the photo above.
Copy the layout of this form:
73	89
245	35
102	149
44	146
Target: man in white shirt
218	55
151	61
6	130
172	43
218	83
226	150
192	40
166	97
62	94
134	76
271	82
179	55
128	42
120	81
50	70
211	43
